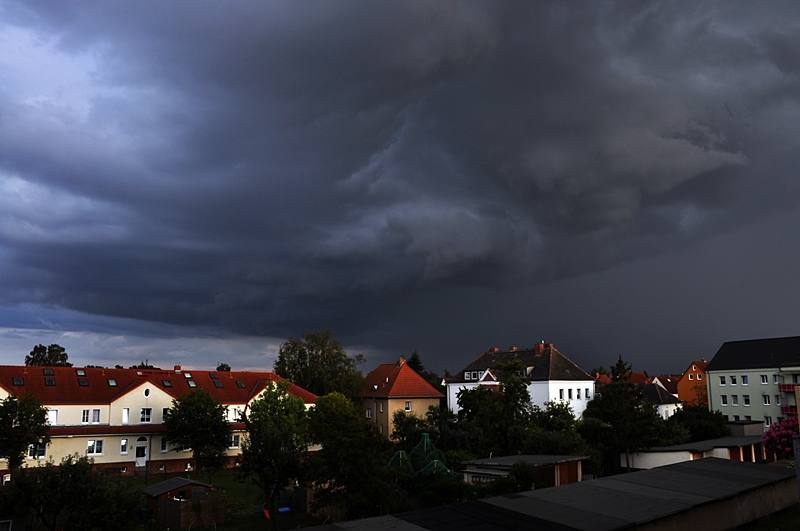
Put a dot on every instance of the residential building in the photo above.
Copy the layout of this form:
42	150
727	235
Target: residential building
692	387
553	377
552	470
666	402
116	416
755	379
395	387
668	382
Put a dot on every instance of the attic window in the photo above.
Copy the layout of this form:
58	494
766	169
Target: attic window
217	384
374	387
240	384
166	383
47	372
112	382
187	375
466	375
18	381
474	375
191	383
80	372
50	382
213	376
83	382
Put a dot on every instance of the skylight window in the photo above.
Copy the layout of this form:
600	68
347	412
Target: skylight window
217	384
50	382
18	381
240	384
112	382
83	382
191	383
80	372
213	375
166	383
187	375
47	372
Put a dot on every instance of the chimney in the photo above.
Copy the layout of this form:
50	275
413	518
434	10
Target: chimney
177	369
512	349
539	348
494	349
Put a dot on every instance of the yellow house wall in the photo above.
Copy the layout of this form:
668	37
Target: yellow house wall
135	401
419	407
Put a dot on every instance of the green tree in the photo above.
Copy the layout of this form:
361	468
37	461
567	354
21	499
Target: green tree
74	496
415	362
144	364
197	421
223	367
52	356
23	423
701	423
319	363
277	439
348	472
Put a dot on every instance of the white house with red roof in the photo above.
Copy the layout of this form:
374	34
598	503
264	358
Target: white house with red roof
116	415
396	387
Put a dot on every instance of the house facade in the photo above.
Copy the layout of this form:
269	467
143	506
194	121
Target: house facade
116	416
755	379
666	403
392	387
553	377
692	386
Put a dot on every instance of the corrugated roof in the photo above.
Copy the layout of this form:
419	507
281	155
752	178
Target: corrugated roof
397	380
103	386
757	354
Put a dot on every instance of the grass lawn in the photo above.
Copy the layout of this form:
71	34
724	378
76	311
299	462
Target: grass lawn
244	499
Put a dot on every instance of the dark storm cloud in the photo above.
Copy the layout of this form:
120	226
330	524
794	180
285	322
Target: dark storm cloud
266	168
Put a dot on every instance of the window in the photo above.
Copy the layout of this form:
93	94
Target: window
191	383
166	383
744	379
47	372
748	417
80	372
733	380
777	400
369	413
94	447
578	394
38	451
52	417
123	446
217	384
474	375
736	417
187	375
724	399
735	400
466	375
83	382
746	399
569	394
764	379
147	392
586	394
694	368
18	381
126	415
85	416
50	382
145	415
700	376
95	416
380	407
767	421
213	375
239	384
235	441
112	382
561	394
164	444
164	414
408	405
775	378
722	380
691	376
766	399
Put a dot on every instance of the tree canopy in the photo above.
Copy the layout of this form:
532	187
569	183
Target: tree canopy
223	367
277	438
52	356
23	423
319	363
198	421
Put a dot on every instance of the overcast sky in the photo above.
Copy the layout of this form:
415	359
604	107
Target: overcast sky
196	182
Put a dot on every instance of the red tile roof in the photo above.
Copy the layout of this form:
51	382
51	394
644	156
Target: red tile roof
236	387
397	380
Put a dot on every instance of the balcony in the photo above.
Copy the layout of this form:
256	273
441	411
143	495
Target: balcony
787	388
789	410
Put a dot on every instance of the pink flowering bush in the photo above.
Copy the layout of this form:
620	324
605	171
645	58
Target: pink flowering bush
778	438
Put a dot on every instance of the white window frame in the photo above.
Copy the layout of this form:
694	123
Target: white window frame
699	376
236	441
734	400
52	417
123	446
578	393
408	405
765	400
164	414
146	415
777	400
733	379
37	451
85	416
126	415
764	379
369	412
775	379
722	381
586	394
95	416
767	420
745	380
164	445
723	400
94	447
691	377
746	400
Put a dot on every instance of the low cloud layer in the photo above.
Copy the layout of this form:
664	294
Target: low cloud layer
261	169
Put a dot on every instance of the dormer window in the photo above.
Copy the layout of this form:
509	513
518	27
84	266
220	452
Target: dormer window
474	375
466	375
